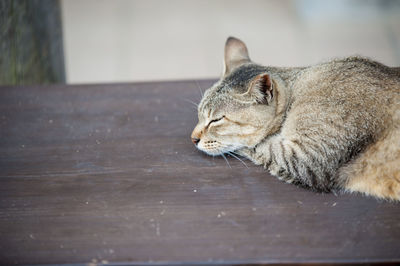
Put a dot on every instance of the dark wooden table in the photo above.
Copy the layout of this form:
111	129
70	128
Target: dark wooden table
108	174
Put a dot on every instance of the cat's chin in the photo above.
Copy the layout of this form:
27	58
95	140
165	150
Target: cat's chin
219	149
216	152
212	153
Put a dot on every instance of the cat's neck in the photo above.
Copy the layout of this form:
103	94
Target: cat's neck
285	80
288	75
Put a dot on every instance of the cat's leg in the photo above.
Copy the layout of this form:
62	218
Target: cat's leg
291	161
250	153
274	157
376	171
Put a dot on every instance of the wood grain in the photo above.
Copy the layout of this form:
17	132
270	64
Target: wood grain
108	174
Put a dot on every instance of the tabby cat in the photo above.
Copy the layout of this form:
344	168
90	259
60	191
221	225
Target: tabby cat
334	126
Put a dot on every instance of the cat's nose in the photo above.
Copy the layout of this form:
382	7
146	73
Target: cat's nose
195	141
196	134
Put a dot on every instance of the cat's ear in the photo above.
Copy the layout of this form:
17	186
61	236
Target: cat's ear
261	89
235	55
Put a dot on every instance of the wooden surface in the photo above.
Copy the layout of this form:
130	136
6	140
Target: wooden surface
108	174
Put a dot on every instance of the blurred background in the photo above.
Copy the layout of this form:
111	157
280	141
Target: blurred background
99	41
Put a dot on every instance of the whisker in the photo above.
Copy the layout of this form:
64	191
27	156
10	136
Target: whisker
226	160
189	101
233	155
195	108
198	86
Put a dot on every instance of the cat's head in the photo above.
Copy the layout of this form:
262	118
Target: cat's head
240	109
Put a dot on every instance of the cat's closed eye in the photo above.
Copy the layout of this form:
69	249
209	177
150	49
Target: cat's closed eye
215	120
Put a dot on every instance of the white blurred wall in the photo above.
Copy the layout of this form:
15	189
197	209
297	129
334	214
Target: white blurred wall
124	41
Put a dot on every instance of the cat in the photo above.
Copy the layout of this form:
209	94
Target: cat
333	126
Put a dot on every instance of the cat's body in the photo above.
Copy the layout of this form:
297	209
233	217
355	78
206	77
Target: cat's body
332	126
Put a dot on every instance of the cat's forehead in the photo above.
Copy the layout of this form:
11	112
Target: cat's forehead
216	102
213	100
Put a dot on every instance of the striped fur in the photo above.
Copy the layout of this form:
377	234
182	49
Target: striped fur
332	126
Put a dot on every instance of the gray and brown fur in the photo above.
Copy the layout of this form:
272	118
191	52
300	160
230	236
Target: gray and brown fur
331	126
